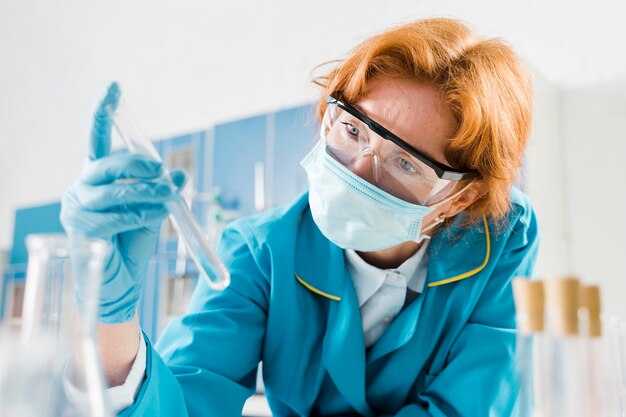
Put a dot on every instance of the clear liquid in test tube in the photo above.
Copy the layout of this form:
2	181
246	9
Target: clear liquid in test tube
209	265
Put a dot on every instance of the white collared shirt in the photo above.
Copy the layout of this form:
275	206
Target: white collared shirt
382	292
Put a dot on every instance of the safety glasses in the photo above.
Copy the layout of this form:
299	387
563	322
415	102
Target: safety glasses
397	167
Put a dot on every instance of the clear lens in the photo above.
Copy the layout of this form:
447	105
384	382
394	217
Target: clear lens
394	170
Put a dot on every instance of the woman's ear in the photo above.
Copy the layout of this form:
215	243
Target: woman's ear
473	192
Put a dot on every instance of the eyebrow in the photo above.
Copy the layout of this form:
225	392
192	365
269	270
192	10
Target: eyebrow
443	171
360	109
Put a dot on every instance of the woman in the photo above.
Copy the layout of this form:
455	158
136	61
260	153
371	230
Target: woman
385	290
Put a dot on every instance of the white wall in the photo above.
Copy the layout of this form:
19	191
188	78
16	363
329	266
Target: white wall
577	181
544	174
594	133
186	65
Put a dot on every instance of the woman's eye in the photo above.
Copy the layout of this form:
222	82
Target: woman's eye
407	166
351	129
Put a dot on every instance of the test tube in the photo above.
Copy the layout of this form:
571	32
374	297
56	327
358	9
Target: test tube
569	382
531	346
209	265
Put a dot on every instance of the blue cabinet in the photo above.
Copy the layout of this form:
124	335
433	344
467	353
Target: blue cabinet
295	133
238	147
37	219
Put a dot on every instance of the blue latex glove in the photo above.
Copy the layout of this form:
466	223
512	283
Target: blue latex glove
119	199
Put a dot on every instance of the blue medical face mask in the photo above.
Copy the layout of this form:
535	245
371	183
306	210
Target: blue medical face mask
355	214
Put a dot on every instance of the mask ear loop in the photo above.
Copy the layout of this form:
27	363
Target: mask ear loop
436	222
441	218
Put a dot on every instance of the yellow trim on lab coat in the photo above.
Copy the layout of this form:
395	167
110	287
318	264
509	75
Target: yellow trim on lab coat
473	271
316	291
432	284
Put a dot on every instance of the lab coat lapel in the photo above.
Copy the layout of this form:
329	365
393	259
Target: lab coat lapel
321	269
344	346
399	332
317	261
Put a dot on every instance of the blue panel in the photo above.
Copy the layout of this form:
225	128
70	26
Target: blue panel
202	163
39	219
237	147
198	161
159	145
296	133
184	141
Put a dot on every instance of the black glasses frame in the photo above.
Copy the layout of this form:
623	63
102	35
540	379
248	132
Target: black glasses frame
443	171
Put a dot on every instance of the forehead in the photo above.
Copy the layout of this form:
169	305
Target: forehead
414	111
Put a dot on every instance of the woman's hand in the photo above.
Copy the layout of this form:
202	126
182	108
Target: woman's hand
118	198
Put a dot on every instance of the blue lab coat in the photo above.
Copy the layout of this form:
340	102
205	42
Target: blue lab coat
292	305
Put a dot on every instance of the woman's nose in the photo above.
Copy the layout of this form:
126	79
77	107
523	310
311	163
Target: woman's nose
365	166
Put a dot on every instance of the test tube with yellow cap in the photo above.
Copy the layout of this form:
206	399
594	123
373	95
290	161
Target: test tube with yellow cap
568	362
531	346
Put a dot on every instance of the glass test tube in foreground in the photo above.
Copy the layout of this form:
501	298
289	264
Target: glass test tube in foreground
55	367
591	331
531	347
569	381
617	354
209	265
